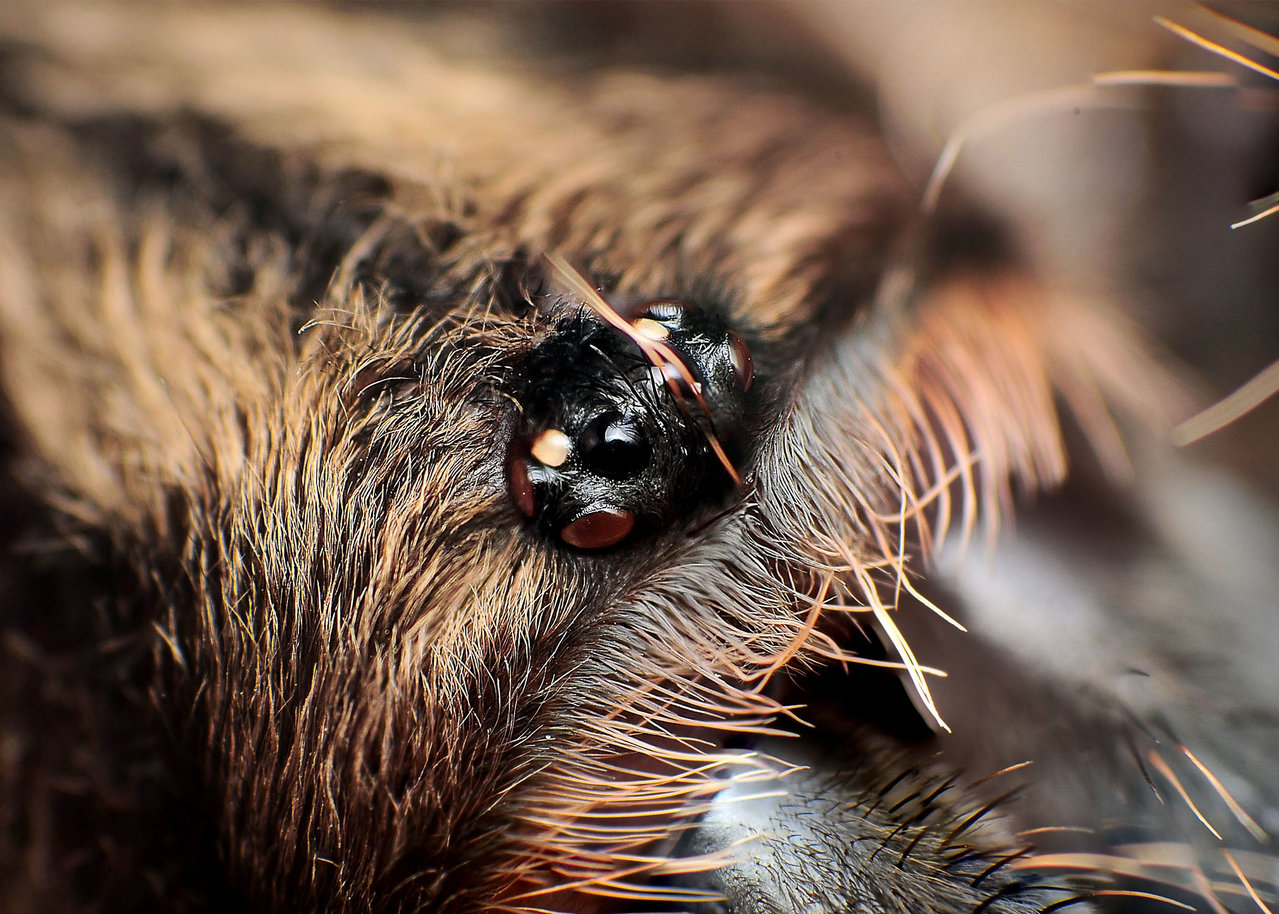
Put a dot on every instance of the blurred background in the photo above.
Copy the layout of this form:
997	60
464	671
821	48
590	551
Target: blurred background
1127	190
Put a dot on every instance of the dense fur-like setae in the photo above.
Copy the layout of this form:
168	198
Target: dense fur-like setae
277	634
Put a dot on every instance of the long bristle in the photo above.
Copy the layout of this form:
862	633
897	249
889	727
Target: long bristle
657	352
1219	49
965	418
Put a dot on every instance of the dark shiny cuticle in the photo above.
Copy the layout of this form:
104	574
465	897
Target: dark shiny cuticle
614	441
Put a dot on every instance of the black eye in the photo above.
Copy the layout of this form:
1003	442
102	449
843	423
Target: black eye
614	446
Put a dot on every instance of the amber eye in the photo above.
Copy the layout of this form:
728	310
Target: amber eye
740	355
599	530
521	486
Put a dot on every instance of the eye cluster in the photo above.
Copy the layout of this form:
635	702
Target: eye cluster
613	444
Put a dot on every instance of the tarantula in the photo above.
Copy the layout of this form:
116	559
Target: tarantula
546	459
